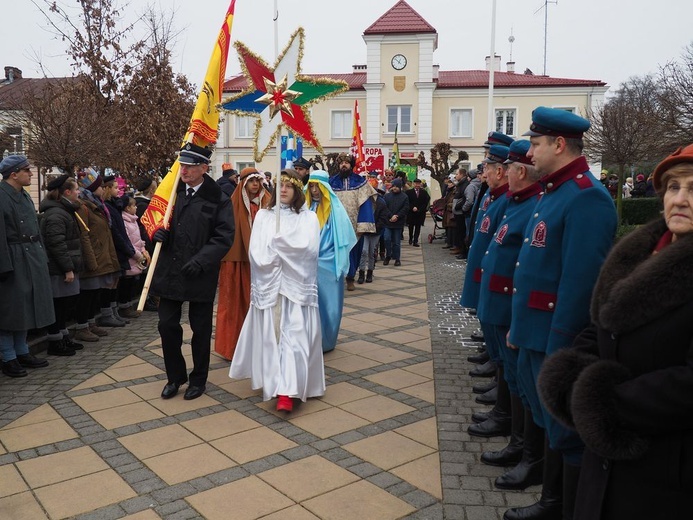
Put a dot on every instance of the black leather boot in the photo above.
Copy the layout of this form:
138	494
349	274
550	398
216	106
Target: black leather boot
482	388
488	369
550	505
59	348
530	469
362	277
489	397
498	423
12	368
571	475
512	453
369	275
479	359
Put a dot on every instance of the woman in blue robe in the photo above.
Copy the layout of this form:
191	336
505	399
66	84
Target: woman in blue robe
337	237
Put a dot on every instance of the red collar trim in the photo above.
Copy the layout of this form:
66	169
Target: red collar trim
570	171
526	193
500	190
664	241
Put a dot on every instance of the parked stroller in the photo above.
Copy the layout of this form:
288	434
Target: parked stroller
436	210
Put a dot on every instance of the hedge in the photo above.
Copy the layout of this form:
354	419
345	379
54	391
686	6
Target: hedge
640	210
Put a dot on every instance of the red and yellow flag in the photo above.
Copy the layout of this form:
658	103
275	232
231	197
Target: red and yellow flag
204	122
356	139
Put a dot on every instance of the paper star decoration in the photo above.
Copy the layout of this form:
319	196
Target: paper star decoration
289	97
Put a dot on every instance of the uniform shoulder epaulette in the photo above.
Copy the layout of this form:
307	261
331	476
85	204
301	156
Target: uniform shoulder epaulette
583	181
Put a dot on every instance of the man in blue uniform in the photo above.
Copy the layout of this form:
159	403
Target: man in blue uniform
526	448
565	243
496	422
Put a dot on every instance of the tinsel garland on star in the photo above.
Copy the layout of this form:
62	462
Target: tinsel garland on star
280	91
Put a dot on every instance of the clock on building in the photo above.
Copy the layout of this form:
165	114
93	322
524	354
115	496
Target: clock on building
399	61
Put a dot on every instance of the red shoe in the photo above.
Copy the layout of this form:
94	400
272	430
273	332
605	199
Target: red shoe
284	403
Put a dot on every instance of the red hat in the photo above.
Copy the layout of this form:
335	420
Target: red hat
681	155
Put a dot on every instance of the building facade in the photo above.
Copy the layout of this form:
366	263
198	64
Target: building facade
400	86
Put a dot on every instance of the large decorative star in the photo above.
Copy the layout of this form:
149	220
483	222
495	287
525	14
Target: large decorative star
290	97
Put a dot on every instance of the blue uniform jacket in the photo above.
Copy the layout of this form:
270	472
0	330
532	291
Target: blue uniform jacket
498	266
566	241
491	211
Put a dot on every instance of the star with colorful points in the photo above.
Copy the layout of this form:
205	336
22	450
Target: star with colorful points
266	97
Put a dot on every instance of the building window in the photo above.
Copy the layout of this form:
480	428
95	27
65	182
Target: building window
572	110
240	166
399	116
16	139
341	124
461	122
505	121
245	127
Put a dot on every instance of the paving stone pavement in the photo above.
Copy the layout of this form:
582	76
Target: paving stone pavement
89	437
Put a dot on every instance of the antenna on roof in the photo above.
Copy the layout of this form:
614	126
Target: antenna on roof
545	7
511	39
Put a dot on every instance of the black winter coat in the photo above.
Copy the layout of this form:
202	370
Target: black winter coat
397	204
142	205
626	386
201	229
61	236
122	243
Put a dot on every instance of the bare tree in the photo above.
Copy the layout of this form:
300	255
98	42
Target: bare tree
440	162
626	129
675	81
156	104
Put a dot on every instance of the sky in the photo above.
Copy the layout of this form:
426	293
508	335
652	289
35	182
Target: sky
608	40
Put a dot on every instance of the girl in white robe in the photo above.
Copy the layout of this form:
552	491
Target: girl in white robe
283	273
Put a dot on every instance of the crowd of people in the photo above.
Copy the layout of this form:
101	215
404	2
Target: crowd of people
589	346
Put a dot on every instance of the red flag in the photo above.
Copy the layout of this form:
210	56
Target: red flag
357	140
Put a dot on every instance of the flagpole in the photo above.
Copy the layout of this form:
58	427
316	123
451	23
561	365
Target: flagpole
492	65
277	175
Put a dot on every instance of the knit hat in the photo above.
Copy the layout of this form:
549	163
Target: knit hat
397	183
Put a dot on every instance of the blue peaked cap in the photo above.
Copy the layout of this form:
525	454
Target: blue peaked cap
557	122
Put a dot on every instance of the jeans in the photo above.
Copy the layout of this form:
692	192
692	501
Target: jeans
393	241
12	344
370	248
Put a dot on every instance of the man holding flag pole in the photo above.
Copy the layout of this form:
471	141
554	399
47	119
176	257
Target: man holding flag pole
193	228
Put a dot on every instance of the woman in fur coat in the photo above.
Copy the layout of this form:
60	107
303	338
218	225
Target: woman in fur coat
626	386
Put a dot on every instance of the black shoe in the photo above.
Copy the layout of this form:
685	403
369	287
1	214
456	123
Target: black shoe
397	263
72	344
12	368
483	388
193	392
31	361
369	276
446	247
489	397
410	241
479	417
59	348
170	390
542	510
362	277
488	369
479	359
491	428
416	244
461	257
477	335
386	261
522	476
508	456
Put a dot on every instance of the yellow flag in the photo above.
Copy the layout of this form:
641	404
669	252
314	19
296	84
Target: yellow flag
204	123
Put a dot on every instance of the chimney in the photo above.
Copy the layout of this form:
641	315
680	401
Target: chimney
12	73
511	66
358	68
436	71
496	63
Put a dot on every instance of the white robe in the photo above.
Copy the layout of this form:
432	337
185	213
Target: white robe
283	268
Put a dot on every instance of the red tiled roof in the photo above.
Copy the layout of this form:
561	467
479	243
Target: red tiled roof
479	79
400	19
452	79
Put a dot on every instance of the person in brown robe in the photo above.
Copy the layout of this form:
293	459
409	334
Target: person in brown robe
234	278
